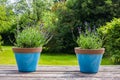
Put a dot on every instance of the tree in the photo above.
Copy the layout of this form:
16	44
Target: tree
96	12
30	13
62	40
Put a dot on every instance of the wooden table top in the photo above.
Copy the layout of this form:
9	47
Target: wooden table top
59	73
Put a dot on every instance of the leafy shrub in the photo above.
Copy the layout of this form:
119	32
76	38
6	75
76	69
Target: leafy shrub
30	38
111	33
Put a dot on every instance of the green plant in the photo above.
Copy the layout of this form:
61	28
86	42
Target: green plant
31	37
89	40
111	31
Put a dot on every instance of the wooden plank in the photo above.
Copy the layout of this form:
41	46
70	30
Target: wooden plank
62	75
19	78
50	72
61	69
65	68
59	73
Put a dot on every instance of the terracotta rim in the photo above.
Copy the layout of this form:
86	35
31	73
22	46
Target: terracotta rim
78	50
27	50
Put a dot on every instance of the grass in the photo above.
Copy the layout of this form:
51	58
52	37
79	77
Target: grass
7	58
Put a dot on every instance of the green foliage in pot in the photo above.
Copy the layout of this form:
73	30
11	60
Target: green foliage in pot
31	38
111	31
89	40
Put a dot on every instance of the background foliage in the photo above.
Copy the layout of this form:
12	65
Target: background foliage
94	11
111	33
7	20
62	40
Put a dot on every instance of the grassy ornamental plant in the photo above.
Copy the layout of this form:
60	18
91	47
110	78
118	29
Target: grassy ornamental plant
31	38
89	40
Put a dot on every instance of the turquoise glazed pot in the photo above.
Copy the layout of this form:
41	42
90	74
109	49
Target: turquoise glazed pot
89	59
27	58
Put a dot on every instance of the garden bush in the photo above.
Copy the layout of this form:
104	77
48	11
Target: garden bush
111	34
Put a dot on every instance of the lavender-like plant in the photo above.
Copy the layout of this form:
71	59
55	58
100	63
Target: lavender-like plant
31	38
88	39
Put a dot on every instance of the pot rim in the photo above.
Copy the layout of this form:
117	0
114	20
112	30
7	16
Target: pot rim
78	50
26	50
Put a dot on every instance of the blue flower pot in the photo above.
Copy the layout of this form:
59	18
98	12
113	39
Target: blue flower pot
27	62
89	60
89	63
27	59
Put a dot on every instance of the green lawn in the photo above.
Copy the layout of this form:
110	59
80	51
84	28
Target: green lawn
7	57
